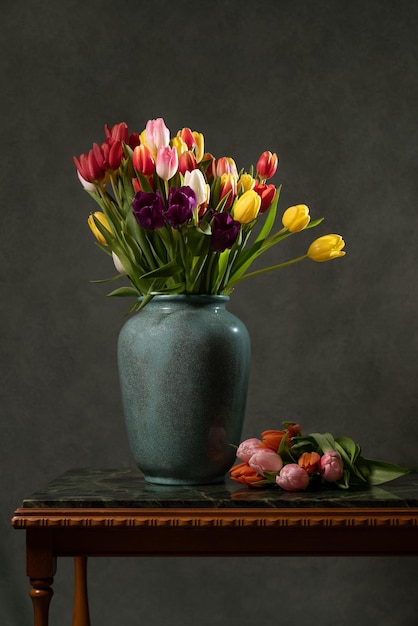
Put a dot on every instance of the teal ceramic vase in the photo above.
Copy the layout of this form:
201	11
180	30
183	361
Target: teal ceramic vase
184	366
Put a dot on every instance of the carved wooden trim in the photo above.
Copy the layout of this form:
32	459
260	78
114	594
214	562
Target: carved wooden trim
136	518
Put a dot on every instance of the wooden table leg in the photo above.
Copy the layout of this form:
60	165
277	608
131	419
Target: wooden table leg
40	568
41	594
81	615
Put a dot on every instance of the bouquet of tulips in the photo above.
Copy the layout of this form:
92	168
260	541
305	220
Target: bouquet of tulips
296	462
175	219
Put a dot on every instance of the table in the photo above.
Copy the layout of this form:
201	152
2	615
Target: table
92	512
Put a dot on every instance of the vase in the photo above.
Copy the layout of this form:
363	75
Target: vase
183	365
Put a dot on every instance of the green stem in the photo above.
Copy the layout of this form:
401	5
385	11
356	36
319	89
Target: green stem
271	268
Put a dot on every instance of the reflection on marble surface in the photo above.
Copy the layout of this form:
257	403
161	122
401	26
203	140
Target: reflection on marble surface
126	488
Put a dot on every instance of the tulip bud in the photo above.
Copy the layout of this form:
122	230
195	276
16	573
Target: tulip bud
143	161
244	474
293	478
228	186
187	136
100	217
296	218
248	447
167	162
118	265
331	466
180	145
326	248
266	193
157	134
199	145
245	183
196	181
265	460
267	165
247	206
309	461
226	165
187	162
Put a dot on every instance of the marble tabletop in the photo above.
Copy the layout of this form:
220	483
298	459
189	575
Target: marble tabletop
126	488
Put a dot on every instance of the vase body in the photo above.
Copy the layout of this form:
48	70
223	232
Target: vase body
184	366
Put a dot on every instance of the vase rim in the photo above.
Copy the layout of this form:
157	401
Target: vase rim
189	296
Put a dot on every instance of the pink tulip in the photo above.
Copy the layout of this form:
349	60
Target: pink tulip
293	478
247	448
331	466
167	162
157	134
265	460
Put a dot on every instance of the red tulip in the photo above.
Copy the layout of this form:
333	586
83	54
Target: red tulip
266	193
267	165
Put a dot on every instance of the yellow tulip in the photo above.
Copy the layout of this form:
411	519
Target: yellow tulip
180	145
326	248
199	145
247	206
296	218
245	183
101	217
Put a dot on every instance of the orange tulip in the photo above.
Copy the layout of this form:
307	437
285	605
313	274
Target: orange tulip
243	473
273	438
309	461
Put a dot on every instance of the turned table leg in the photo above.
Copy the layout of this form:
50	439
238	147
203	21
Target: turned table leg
41	594
81	603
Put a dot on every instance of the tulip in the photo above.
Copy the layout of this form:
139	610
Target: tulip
100	217
112	152
309	461
91	166
247	207
187	136
187	162
118	265
265	460
226	165
180	145
225	231
118	132
331	466
267	165
228	187
266	193
86	185
326	248
197	182
245	183
167	162
293	478
243	473
157	134
248	447
296	218
273	438
148	210
181	203
210	162
143	161
199	145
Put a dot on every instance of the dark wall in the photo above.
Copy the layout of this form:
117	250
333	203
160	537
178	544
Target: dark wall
332	87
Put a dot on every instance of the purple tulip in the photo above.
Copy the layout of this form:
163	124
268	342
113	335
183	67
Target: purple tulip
224	232
180	205
148	210
293	478
331	466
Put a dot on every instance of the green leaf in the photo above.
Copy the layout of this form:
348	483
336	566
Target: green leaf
378	472
124	292
349	446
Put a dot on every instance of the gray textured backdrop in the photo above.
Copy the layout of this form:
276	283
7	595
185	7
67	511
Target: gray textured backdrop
332	87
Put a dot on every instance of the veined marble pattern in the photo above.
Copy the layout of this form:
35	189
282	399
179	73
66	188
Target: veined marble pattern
126	488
